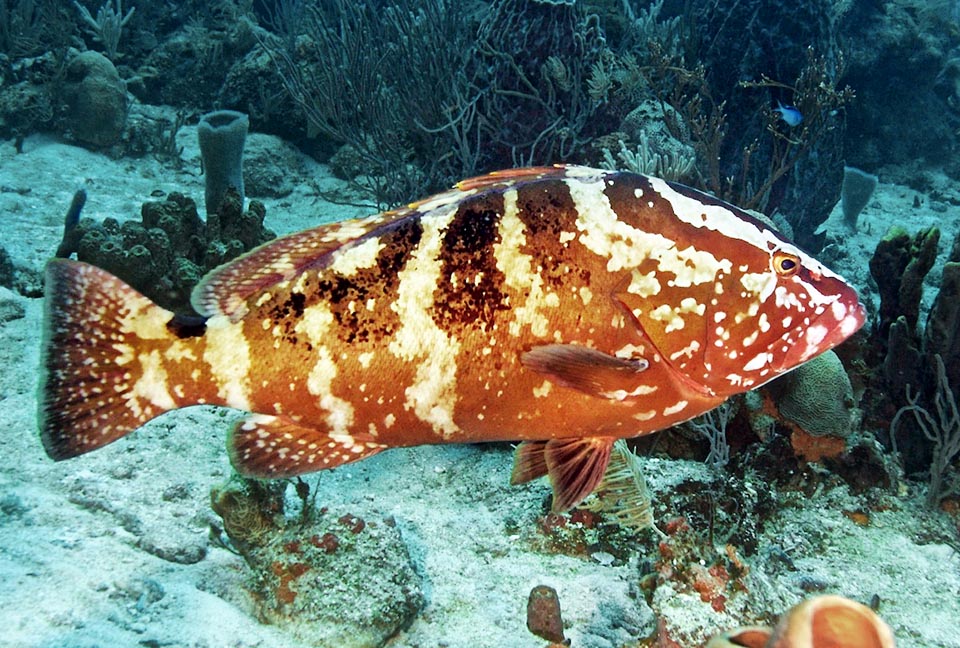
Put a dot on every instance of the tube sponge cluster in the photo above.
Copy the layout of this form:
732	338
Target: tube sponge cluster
171	248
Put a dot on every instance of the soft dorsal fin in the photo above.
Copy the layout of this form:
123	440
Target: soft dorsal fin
225	290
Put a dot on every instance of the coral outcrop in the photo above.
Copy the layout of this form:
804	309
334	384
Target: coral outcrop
171	248
905	360
95	100
817	396
329	578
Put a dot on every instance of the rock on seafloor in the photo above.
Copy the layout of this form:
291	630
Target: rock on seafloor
328	578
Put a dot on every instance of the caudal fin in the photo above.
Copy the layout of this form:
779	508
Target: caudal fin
101	362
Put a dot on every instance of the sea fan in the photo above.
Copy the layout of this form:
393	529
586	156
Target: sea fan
622	494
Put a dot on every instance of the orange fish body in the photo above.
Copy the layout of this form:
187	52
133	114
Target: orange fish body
564	307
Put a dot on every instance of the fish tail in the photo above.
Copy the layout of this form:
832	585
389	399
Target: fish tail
102	367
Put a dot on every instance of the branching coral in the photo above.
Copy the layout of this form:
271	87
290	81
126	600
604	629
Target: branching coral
713	427
686	90
20	26
943	431
819	100
424	93
671	164
520	46
32	27
108	25
389	83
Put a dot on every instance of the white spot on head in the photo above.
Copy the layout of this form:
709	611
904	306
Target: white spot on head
815	335
675	409
644	285
838	310
758	361
735	379
623	394
687	351
849	325
763	324
669	316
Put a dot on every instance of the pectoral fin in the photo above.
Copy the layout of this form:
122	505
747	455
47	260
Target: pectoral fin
587	370
575	466
273	447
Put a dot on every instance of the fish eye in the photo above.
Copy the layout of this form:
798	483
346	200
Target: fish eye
785	264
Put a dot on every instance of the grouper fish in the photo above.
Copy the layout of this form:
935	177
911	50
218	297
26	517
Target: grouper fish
562	307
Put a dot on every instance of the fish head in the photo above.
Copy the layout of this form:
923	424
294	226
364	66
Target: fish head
732	303
778	309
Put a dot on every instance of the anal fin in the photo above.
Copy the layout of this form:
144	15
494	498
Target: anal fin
273	447
575	466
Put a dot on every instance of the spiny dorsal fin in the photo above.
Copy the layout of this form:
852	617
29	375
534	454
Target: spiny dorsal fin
225	290
509	176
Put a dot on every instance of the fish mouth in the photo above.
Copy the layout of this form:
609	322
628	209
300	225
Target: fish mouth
835	325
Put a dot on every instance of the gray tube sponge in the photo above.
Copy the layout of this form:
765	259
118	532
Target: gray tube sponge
222	134
857	188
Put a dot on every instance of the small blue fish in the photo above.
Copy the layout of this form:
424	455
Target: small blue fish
789	114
